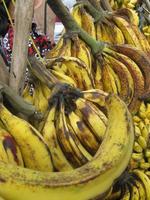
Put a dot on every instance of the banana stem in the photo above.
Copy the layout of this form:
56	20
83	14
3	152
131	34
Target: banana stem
16	101
71	26
43	74
106	5
95	11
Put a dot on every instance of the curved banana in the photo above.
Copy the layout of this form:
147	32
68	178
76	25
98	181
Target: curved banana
136	74
50	136
128	32
96	177
127	85
84	134
10	152
145	181
141	60
141	189
96	121
34	151
95	95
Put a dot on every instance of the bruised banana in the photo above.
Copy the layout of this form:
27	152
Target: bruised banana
72	185
9	150
80	50
76	71
141	59
49	134
84	134
127	85
89	114
136	74
34	151
128	32
68	142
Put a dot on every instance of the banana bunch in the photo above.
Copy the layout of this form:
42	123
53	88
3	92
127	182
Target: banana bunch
86	182
122	24
140	157
72	70
117	4
146	31
132	185
75	126
119	71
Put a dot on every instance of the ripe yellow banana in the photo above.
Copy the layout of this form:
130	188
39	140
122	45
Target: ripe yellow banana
127	85
88	23
96	177
141	189
95	95
34	151
80	50
76	13
128	32
84	134
136	74
108	80
96	121
49	133
10	152
66	141
141	60
127	194
145	181
134	193
40	101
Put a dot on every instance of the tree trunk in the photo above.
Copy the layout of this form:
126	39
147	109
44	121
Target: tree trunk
23	20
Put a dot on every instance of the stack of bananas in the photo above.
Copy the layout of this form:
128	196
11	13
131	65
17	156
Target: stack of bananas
75	130
118	27
146	31
88	145
116	4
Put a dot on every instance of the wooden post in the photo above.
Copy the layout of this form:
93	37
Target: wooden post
4	74
22	28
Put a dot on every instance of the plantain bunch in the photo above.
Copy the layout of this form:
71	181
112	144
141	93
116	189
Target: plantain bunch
76	134
116	27
116	4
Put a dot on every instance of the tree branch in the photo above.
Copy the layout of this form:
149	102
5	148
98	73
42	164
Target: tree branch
70	24
23	20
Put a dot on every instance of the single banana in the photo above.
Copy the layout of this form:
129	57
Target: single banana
96	96
92	118
12	151
127	85
128	32
141	189
134	193
40	101
34	150
80	50
96	177
88	23
76	13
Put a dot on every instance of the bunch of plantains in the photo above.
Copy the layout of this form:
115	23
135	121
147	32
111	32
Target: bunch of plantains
86	133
